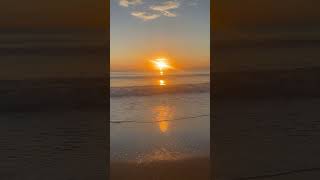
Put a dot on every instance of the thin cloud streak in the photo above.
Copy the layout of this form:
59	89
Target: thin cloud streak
165	7
127	3
144	16
151	11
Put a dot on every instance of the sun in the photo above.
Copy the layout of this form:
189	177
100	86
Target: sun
161	64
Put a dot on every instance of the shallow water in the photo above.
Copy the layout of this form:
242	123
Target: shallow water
160	127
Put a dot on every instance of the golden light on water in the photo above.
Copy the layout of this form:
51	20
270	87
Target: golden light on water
162	82
163	114
163	126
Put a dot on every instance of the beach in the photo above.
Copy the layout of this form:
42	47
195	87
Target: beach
160	132
188	169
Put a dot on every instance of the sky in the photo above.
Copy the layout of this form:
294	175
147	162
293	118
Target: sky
142	30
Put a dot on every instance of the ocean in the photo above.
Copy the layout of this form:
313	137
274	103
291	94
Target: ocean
154	121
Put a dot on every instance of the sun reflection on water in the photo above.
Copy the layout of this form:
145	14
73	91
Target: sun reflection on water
162	117
162	82
163	126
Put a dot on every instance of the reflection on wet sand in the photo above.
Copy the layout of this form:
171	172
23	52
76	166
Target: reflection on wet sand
162	115
187	169
163	126
157	140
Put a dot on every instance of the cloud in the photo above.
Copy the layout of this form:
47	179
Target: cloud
164	8
153	11
144	16
127	3
169	14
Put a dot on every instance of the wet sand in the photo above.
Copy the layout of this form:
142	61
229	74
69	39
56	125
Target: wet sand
160	136
188	169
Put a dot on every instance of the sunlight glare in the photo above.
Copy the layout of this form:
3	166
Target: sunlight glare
162	82
161	64
163	114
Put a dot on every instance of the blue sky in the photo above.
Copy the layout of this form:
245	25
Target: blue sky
176	29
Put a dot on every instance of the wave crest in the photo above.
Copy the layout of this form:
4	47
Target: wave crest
154	90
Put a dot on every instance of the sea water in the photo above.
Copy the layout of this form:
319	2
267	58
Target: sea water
152	122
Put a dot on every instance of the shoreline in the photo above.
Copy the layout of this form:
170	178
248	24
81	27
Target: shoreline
187	169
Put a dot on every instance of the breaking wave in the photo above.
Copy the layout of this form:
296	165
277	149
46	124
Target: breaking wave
154	90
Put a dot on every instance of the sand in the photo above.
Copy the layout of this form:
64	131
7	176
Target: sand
188	169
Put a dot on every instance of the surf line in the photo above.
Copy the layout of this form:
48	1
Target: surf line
150	122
